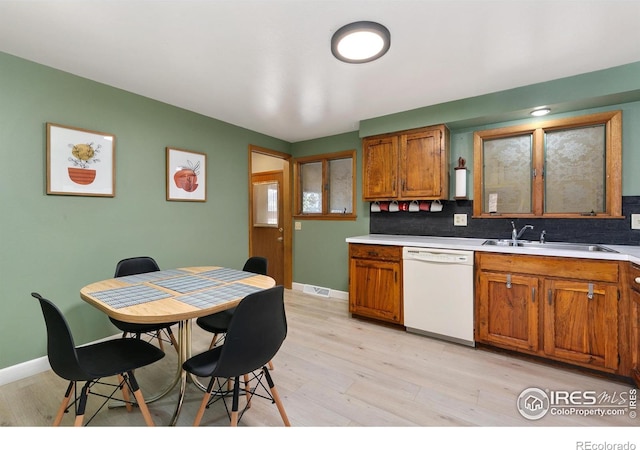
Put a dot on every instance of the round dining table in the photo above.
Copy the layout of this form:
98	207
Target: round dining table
174	295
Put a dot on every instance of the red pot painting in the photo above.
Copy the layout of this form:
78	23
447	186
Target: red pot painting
82	176
187	177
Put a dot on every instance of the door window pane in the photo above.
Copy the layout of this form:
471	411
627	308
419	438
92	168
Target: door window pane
265	204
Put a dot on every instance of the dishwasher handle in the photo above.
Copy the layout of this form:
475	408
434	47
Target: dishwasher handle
442	258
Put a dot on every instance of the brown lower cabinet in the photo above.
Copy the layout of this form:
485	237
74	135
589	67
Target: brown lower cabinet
375	282
633	278
565	309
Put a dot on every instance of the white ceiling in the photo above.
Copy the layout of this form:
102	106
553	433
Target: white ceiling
266	65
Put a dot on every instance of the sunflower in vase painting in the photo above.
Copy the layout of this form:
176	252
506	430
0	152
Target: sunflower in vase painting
82	156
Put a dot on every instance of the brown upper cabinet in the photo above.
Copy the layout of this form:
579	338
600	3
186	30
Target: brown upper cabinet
408	165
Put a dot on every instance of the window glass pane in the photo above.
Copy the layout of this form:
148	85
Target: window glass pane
265	204
575	170
340	182
311	187
507	175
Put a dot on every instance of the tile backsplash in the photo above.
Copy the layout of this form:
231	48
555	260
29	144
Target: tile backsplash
588	230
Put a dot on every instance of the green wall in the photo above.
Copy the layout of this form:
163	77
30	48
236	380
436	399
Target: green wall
320	253
56	244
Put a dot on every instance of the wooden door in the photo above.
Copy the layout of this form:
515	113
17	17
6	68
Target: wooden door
267	234
507	311
380	167
581	322
421	165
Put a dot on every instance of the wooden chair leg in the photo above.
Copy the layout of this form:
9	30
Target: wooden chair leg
270	365
276	397
84	395
125	393
173	340
64	404
144	409
159	338
203	404
247	389
283	413
213	341
235	402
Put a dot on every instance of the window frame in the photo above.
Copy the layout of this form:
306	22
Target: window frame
612	120
325	159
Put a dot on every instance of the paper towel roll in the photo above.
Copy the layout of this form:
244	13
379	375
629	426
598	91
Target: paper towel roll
461	183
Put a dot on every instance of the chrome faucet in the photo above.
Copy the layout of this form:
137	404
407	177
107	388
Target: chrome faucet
515	234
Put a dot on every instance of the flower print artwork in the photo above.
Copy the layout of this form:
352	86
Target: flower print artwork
80	162
82	156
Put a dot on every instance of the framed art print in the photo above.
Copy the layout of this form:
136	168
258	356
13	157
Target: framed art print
80	162
186	175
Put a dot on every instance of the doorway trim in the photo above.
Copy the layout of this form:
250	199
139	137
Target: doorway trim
286	197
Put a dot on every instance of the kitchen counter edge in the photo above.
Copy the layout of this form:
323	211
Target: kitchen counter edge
625	252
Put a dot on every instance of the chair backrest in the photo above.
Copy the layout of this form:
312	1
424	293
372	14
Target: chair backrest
255	333
61	349
136	266
256	264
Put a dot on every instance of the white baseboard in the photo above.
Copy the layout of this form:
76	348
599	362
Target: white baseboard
24	370
340	295
33	367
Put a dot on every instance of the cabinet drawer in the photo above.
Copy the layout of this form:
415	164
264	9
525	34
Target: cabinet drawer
381	252
551	266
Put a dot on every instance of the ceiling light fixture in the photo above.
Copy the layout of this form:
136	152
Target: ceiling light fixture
360	42
540	112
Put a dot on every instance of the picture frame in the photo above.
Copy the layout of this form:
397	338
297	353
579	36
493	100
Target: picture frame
186	175
80	161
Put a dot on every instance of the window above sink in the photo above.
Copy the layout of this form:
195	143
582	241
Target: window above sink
562	168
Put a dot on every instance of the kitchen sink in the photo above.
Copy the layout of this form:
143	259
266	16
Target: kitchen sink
549	245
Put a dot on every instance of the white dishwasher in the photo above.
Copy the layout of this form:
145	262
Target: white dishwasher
438	293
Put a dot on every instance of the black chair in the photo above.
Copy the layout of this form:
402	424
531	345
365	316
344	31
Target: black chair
91	363
218	323
254	336
135	266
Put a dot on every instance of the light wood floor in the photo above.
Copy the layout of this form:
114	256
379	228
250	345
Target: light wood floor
336	371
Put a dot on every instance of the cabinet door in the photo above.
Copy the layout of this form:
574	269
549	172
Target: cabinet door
635	335
375	290
507	311
421	165
581	322
380	168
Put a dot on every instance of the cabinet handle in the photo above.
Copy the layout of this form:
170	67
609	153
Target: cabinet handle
509	281
550	297
590	292
533	295
637	280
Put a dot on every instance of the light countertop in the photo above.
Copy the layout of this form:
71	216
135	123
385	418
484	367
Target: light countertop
624	252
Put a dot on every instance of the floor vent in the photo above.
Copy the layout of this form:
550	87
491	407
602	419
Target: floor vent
315	290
